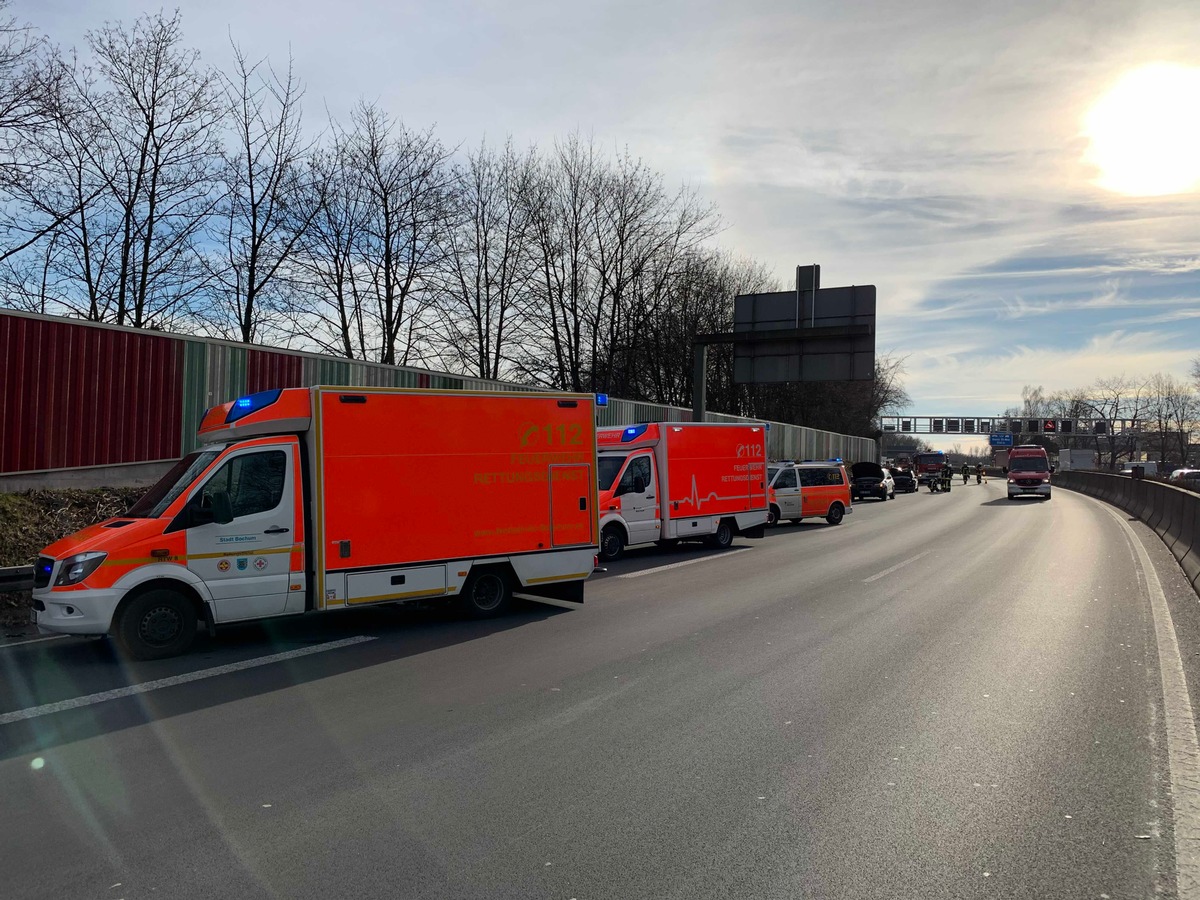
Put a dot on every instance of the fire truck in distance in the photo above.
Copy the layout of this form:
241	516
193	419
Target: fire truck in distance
667	482
328	498
927	464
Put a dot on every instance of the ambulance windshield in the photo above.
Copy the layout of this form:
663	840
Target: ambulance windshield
156	500
609	466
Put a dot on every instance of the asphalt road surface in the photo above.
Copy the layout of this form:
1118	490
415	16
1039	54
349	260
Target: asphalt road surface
947	696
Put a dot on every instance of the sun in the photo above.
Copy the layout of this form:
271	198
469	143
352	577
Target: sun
1145	132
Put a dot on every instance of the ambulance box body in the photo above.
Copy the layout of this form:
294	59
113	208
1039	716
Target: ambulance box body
680	481
325	498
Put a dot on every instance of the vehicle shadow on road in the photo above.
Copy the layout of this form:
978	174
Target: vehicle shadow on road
1013	504
54	672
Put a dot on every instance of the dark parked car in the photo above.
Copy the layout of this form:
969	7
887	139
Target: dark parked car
868	479
905	480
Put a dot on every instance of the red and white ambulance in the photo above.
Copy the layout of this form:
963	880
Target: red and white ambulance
666	482
328	498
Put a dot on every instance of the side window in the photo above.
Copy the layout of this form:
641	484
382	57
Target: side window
254	482
808	477
639	465
786	479
833	476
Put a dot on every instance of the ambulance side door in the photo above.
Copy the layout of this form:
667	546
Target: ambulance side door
246	563
787	494
639	508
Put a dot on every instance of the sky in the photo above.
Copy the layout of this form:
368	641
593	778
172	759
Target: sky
956	154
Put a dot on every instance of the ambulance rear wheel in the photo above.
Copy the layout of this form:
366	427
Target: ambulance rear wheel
836	513
487	593
722	537
155	625
612	544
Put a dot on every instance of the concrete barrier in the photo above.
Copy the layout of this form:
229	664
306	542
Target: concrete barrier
1168	519
1187	530
1172	512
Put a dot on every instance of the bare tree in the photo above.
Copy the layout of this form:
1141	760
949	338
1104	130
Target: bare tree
330	310
562	207
488	261
1171	409
407	187
262	218
29	108
157	113
641	233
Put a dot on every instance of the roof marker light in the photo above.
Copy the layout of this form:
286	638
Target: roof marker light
632	433
251	403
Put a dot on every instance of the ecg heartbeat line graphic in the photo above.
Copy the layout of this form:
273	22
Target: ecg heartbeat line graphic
697	501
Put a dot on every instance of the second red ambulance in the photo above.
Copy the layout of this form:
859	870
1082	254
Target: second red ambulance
666	482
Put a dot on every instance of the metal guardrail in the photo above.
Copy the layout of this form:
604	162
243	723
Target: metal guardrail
16	578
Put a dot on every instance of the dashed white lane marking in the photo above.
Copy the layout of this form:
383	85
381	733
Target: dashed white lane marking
899	565
36	640
1183	751
145	687
686	562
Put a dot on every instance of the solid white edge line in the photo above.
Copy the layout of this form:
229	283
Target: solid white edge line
1183	751
145	687
36	640
687	562
899	565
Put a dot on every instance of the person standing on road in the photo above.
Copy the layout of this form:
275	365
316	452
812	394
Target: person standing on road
965	471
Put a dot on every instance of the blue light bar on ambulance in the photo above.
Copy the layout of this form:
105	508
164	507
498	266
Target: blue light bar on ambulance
836	459
632	433
602	399
243	406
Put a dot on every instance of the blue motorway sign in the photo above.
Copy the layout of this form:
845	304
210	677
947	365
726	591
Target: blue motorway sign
1000	439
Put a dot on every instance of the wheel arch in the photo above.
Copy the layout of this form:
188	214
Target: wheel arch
178	586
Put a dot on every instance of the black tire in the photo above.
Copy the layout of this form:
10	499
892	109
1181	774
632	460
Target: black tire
837	512
612	544
772	516
487	593
722	538
892	496
155	625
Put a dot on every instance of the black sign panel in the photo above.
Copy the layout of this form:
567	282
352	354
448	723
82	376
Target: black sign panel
831	340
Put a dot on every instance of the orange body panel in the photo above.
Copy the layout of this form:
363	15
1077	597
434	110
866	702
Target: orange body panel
411	477
715	471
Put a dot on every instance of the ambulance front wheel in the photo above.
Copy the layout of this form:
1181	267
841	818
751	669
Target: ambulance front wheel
487	593
612	543
155	625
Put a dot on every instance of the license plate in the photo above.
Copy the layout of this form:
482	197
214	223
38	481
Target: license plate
33	616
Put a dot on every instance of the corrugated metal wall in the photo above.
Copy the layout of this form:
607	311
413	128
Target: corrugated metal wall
74	396
75	393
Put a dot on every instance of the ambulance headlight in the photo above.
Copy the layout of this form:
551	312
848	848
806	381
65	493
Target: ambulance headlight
75	569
